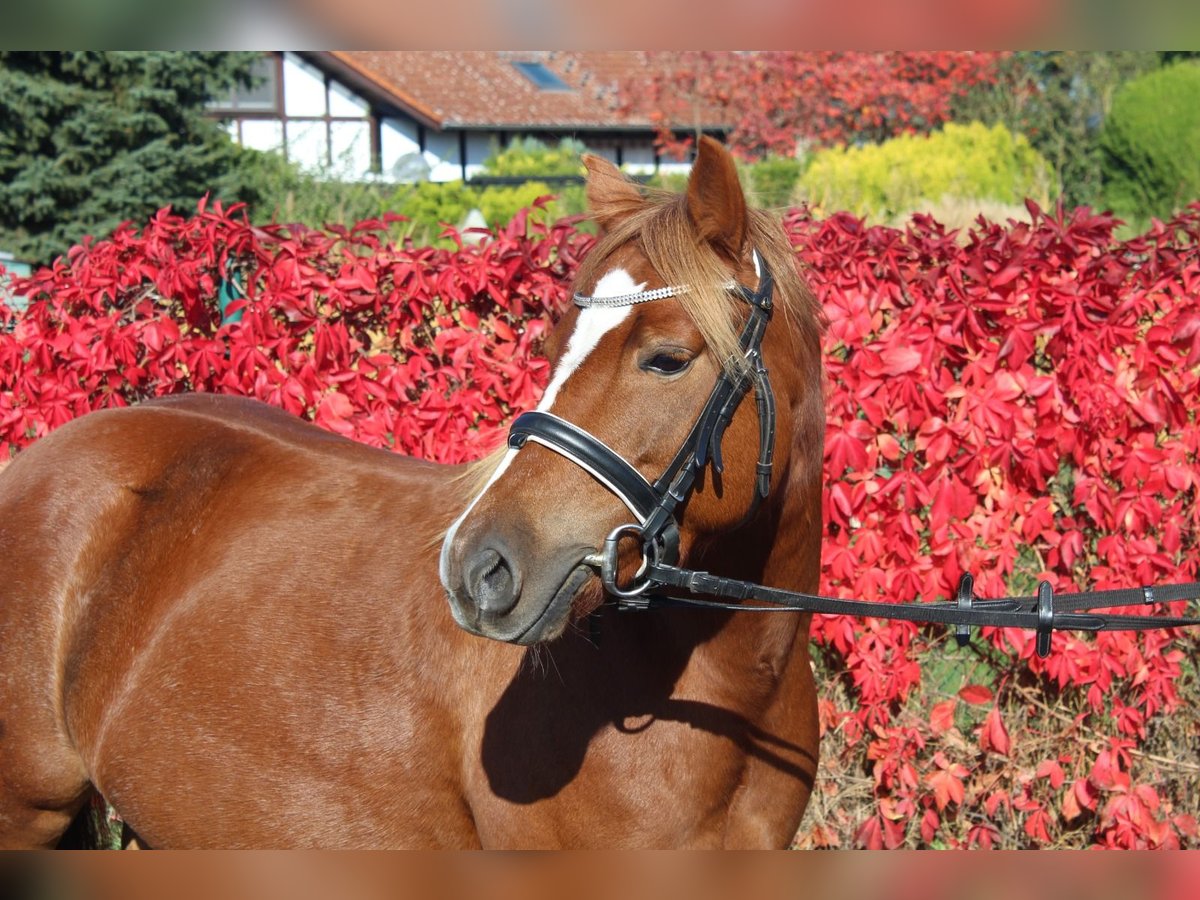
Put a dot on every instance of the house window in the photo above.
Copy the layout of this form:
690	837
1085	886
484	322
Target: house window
261	97
543	78
299	110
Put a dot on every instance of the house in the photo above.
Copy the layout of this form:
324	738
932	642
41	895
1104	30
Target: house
437	115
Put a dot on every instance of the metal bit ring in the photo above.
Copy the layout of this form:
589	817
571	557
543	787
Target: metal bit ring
608	563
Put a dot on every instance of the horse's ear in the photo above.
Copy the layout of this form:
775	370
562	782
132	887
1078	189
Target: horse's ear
611	196
715	200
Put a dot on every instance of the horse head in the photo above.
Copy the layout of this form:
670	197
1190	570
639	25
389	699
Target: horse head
660	315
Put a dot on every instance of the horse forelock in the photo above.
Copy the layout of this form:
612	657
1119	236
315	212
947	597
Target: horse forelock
666	236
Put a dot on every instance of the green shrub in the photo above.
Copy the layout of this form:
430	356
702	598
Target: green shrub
675	182
1151	143
531	158
571	200
275	190
500	204
772	180
430	204
911	172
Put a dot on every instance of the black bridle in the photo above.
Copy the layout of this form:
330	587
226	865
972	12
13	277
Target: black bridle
655	505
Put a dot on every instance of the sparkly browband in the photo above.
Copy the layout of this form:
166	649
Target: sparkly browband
585	302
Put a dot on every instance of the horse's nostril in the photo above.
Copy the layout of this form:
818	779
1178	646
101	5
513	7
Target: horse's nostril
492	582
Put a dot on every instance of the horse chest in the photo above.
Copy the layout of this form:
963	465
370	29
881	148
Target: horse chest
552	764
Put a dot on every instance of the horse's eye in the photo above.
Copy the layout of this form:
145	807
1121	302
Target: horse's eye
666	363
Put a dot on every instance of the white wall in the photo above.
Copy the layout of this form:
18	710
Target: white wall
480	145
668	166
441	152
398	138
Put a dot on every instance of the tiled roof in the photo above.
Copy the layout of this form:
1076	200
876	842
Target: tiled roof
483	89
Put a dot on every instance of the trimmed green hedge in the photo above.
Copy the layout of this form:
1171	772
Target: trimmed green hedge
532	158
1151	143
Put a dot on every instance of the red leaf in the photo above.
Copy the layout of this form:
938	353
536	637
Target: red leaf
929	826
941	717
976	694
982	836
1037	826
898	360
1051	769
994	801
993	735
870	834
1071	809
1186	823
502	330
947	788
1004	277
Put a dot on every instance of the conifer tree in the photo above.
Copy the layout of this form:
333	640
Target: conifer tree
91	138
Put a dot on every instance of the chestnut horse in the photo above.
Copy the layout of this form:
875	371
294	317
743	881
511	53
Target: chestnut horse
232	625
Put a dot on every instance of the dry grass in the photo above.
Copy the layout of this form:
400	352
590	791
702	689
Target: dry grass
1042	724
961	213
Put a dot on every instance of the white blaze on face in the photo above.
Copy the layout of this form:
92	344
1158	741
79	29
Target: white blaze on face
591	325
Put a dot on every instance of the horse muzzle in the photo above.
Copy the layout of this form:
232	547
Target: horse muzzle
496	596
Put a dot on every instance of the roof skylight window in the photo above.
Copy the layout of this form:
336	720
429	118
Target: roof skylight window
542	77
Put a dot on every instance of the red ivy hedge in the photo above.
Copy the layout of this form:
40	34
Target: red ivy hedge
424	350
1021	405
